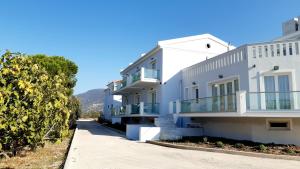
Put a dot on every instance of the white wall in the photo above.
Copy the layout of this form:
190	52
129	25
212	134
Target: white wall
232	65
142	132
253	129
179	56
110	101
288	64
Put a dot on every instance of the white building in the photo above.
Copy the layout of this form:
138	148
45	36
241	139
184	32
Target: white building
249	93
154	79
111	102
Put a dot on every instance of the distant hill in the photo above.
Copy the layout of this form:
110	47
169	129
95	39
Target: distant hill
91	100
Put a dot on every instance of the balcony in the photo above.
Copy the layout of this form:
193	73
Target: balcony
241	104
273	101
139	110
138	80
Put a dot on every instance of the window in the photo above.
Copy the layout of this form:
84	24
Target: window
284	49
290	49
259	51
236	85
270	95
278	49
297	48
266	51
274	124
186	93
254	51
153	65
272	50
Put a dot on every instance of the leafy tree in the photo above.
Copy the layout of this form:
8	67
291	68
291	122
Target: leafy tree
57	65
74	106
34	104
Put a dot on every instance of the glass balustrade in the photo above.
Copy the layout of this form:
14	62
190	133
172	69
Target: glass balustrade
151	108
273	101
210	104
151	73
136	76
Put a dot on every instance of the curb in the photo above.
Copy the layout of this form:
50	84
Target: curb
70	152
233	152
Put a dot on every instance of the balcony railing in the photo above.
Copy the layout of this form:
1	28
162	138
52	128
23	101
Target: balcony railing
138	109
119	111
151	73
273	101
151	108
209	104
136	76
142	75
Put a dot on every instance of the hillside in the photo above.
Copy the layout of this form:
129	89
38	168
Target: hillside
91	100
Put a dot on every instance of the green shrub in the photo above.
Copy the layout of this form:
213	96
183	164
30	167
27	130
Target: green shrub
289	150
262	148
239	145
220	144
33	104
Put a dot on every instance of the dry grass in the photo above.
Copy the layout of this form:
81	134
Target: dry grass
51	156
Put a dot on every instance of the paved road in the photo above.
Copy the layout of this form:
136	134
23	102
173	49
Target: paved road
96	147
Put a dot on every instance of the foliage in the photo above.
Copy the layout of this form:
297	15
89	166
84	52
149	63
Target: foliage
262	148
239	145
74	106
91	114
34	105
205	139
55	65
220	144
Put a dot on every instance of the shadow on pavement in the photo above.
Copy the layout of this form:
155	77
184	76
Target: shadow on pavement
97	129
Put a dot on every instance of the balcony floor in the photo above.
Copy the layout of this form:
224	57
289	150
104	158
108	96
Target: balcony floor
137	86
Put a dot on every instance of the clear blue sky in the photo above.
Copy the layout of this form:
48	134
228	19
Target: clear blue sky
103	37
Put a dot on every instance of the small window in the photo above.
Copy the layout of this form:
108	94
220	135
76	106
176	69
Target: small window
278	49
272	50
297	48
259	51
279	124
290	49
208	45
186	93
284	49
266	51
254	51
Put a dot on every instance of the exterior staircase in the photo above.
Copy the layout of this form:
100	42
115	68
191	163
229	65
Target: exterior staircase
168	129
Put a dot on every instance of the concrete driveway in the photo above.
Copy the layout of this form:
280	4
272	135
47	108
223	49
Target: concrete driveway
96	147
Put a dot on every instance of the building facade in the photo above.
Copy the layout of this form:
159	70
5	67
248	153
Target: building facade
153	80
249	93
112	103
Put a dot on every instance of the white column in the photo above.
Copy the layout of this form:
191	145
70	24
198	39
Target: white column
178	106
142	73
128	109
141	108
171	108
241	102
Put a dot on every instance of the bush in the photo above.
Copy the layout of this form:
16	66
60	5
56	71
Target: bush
239	145
220	144
262	148
289	150
34	104
205	139
93	115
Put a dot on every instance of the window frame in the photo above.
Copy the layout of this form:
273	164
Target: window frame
288	121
